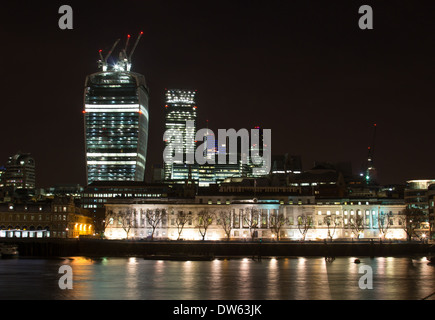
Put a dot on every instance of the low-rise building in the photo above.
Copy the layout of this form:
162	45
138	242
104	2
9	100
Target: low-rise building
60	217
236	217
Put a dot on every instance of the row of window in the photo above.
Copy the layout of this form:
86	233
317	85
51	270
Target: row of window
25	217
261	219
39	217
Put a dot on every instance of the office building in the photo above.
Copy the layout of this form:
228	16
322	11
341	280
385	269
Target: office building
19	172
419	195
180	107
116	122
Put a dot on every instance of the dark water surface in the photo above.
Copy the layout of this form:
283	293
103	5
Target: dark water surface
308	278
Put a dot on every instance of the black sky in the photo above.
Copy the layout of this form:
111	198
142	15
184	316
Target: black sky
300	68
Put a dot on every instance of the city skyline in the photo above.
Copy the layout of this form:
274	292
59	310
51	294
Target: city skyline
306	71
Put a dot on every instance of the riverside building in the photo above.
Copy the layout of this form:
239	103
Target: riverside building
284	215
59	217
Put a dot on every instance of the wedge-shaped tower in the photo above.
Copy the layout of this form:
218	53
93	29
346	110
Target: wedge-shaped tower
116	120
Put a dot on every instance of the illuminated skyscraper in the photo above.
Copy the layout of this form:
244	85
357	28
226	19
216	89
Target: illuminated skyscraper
261	149
116	121
180	107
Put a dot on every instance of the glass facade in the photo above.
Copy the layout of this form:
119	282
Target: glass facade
179	108
261	149
19	172
116	126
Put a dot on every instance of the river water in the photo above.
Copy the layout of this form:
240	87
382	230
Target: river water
308	278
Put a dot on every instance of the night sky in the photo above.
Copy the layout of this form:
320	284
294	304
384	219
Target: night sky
303	69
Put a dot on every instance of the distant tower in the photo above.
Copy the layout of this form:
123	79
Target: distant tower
261	148
20	172
180	106
370	172
116	120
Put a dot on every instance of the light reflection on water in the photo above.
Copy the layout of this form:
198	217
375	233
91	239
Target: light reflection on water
274	279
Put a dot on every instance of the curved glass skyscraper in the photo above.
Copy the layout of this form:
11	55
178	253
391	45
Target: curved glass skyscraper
116	124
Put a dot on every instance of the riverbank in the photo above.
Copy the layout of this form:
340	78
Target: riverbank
118	248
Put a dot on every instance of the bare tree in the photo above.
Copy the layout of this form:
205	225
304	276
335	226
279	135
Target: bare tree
276	222
224	220
154	217
384	223
250	220
204	220
109	219
126	220
357	225
180	221
305	222
332	222
412	218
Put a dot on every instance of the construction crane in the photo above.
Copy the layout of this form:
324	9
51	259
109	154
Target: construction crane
124	61
135	45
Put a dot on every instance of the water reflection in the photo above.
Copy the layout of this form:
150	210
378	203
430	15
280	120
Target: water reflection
291	278
243	283
273	277
301	283
132	277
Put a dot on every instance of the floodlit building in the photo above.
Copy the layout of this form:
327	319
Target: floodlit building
56	218
419	194
285	215
116	102
98	193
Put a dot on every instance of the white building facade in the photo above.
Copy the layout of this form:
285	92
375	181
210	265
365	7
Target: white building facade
297	219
